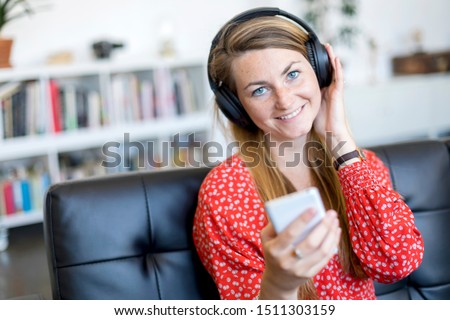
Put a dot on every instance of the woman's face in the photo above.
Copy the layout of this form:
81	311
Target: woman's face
279	90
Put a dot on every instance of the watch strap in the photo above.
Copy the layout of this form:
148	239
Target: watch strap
347	156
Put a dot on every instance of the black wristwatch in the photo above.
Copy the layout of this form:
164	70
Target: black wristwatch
358	153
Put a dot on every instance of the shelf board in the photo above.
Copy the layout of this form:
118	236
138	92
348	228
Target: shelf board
96	68
34	146
21	218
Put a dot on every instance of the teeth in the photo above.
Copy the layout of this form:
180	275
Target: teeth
291	115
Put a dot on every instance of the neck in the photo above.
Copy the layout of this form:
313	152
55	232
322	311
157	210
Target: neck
289	154
291	159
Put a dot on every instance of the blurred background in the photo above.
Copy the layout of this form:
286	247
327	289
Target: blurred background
367	35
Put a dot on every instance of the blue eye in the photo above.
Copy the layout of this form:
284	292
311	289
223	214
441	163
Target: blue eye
259	91
293	74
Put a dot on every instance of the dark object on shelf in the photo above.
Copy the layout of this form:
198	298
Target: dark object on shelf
422	63
103	49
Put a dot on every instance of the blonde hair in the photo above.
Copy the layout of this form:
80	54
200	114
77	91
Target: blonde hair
275	32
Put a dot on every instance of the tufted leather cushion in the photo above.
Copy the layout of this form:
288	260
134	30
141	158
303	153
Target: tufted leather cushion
126	237
420	171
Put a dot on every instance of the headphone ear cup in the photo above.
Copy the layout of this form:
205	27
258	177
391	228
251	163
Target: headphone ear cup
232	108
320	62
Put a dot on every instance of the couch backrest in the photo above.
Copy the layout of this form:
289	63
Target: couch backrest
420	171
126	237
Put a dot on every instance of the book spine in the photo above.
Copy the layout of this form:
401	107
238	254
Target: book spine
8	196
55	106
26	195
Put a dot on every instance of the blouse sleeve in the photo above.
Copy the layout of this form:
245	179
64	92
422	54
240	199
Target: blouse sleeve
226	235
382	229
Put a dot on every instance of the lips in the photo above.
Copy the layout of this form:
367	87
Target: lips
291	115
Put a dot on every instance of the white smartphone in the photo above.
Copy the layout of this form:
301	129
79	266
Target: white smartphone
283	210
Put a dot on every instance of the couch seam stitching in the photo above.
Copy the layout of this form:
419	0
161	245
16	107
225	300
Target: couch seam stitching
147	207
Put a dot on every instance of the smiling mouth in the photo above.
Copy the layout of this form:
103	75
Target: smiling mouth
291	115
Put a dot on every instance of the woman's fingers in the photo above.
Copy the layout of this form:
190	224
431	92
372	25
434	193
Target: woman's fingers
290	234
285	244
338	74
328	249
310	264
318	234
289	270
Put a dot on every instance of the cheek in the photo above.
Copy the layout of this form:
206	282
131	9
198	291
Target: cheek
313	93
258	112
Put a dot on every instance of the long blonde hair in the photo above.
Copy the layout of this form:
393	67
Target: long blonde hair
275	32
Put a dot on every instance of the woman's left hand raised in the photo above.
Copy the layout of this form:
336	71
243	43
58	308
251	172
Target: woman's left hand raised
331	118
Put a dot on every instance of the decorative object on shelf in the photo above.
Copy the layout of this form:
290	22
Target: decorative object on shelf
59	58
417	38
103	49
421	63
5	52
9	11
317	15
166	41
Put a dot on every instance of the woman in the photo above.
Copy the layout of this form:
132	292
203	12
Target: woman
264	62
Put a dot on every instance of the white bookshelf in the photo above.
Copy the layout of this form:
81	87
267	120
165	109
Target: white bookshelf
47	147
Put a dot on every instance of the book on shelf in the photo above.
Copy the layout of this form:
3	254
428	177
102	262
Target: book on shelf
8	197
185	94
168	93
69	107
82	107
23	189
79	107
55	106
96	114
147	99
9	99
165	93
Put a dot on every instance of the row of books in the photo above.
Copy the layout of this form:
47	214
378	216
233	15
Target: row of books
32	107
23	191
180	151
23	111
74	107
167	93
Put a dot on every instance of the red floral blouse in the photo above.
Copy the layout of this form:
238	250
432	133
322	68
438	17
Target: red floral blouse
230	215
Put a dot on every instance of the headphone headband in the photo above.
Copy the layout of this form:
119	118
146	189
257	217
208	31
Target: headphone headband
317	55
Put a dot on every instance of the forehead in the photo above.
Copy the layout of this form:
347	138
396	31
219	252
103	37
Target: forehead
258	64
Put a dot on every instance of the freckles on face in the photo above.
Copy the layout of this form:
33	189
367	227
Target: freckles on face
279	90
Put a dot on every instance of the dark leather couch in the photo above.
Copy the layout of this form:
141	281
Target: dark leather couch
128	236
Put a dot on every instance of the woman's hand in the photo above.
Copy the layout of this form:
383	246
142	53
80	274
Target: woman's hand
284	270
331	117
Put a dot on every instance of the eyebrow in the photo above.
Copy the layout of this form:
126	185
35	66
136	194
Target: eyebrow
289	66
285	70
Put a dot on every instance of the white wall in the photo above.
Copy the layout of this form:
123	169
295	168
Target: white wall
74	24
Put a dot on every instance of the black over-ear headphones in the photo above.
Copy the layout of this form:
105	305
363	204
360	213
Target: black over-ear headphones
229	103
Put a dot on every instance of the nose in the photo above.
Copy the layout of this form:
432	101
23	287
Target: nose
284	98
